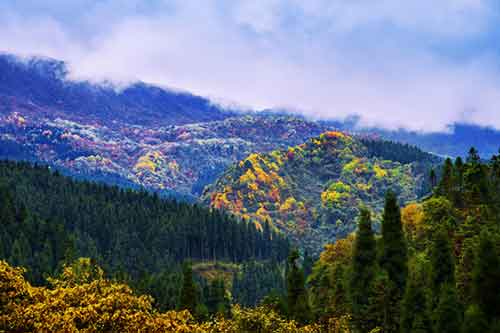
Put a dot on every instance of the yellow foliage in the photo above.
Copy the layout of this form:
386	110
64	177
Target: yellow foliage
148	161
247	177
412	217
82	300
333	134
379	172
288	204
338	252
262	214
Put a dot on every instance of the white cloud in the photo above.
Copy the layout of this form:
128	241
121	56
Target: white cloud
327	58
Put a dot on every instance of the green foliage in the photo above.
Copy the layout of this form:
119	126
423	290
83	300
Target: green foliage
394	252
362	269
448	313
136	237
415	314
297	298
188	297
486	277
257	280
312	191
442	262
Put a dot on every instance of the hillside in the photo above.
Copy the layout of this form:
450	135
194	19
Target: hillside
47	220
42	86
312	191
141	136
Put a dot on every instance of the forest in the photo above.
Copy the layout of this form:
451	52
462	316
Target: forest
48	219
433	267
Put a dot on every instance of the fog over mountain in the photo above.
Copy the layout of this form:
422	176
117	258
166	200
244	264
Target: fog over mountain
392	66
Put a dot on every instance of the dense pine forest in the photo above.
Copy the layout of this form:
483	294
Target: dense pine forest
48	220
434	266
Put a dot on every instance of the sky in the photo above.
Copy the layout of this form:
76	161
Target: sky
414	64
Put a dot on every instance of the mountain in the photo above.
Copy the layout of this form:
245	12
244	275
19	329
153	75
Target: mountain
459	139
41	86
454	142
312	191
143	136
169	142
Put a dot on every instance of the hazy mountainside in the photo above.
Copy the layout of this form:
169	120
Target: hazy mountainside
312	191
459	140
40	85
459	137
145	136
141	136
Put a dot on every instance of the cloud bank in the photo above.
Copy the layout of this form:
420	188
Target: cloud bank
417	64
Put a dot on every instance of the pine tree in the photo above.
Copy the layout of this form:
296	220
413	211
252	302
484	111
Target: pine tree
414	309
464	271
448	315
442	262
433	178
486	277
393	260
188	298
446	184
339	294
394	252
363	270
297	300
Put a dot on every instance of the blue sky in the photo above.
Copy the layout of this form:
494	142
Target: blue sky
419	64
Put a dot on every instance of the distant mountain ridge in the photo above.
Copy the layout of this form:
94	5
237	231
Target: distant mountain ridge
41	84
146	136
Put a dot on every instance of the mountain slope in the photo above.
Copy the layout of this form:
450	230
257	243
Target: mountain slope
46	215
41	86
312	191
142	136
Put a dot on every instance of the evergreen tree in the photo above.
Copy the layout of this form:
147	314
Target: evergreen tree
415	315
446	184
297	300
188	299
486	277
393	260
339	295
394	252
442	262
433	178
464	271
448	314
363	270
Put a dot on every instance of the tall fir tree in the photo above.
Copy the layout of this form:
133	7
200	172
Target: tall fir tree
415	315
486	277
393	259
442	262
394	255
446	184
363	271
297	299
